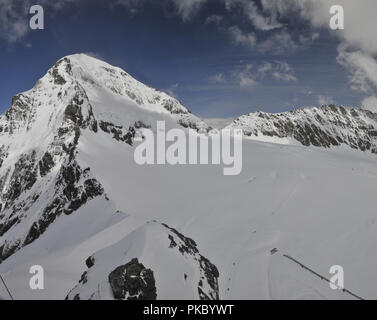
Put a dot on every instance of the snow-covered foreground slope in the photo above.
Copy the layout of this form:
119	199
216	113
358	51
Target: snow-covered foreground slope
161	248
316	206
73	200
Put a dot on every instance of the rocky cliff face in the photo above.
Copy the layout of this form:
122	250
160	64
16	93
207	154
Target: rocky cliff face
326	126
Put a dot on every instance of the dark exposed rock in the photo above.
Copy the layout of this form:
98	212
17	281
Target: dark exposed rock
23	177
188	124
63	131
58	79
46	164
133	281
38	228
94	126
105	126
6	250
77	195
173	107
141	124
4	227
93	188
73	113
212	275
19	115
129	136
20	104
84	278
173	244
90	262
118	132
187	246
3	155
74	196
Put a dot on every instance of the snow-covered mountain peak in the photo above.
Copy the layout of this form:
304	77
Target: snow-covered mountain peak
99	79
43	135
95	87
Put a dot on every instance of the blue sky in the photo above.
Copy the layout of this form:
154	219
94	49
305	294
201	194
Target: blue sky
220	60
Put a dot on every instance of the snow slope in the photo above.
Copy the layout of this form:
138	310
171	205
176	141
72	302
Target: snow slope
314	204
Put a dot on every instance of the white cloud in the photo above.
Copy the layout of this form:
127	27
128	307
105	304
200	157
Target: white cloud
245	77
304	39
14	16
239	37
216	19
307	92
358	42
277	70
316	11
278	43
362	68
249	76
13	20
325	101
172	90
251	11
186	8
278	40
217	78
95	55
370	103
315	36
360	22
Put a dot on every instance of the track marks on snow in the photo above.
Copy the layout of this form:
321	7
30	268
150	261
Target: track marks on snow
280	270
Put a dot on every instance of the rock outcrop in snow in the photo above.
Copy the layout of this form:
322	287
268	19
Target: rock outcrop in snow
146	265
